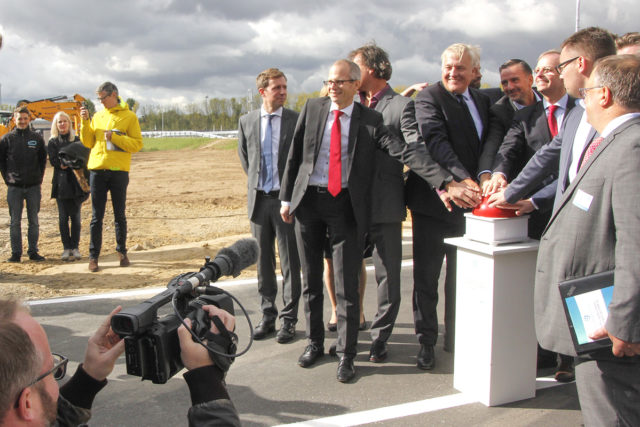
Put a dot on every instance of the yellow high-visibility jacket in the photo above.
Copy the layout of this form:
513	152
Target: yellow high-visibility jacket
125	139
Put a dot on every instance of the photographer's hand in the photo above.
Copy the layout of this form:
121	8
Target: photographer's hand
192	353
103	349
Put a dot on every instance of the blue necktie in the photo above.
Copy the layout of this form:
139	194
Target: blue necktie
267	167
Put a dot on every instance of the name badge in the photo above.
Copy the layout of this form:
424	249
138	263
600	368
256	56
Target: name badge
582	200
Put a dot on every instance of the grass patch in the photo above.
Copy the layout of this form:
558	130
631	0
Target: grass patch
172	144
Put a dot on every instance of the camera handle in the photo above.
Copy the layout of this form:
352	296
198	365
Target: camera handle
213	290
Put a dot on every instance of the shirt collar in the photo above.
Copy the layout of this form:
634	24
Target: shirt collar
347	111
560	103
263	112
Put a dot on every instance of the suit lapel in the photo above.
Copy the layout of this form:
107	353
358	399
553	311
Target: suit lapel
542	123
384	101
284	136
353	129
566	196
321	123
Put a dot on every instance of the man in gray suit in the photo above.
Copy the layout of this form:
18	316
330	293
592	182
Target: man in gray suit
595	229
387	190
326	185
562	155
264	138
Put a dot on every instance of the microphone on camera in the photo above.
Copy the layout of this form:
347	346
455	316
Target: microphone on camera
228	262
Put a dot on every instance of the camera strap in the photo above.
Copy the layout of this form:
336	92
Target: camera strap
223	343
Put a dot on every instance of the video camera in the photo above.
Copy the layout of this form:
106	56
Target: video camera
152	347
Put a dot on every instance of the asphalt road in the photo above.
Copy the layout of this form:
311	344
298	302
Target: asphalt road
268	387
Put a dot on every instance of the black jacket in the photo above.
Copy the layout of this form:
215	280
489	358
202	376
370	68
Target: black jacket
64	184
22	158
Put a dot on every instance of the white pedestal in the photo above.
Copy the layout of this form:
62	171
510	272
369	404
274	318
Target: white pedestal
495	346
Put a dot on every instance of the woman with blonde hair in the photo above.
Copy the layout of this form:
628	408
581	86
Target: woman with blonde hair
65	187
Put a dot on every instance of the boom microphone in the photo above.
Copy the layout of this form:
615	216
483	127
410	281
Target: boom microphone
228	262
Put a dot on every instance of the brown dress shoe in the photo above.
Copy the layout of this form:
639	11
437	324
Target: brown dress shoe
93	265
124	261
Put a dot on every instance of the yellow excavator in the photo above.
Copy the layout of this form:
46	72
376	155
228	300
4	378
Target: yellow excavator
46	109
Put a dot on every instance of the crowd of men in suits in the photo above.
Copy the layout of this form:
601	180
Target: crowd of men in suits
332	177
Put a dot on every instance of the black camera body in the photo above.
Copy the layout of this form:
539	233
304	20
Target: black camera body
152	347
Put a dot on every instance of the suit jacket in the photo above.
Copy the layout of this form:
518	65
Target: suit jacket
493	93
503	112
528	133
367	133
399	116
452	141
250	149
553	158
601	237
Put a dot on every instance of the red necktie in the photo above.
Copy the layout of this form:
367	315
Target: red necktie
335	156
551	119
592	147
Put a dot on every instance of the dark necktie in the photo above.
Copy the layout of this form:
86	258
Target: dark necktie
465	107
267	183
590	150
551	119
335	156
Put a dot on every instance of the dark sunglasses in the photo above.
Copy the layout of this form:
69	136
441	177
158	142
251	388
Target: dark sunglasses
59	370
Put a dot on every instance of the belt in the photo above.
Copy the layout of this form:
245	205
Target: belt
274	193
317	189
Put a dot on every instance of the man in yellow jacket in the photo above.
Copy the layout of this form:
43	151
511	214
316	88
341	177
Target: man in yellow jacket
113	134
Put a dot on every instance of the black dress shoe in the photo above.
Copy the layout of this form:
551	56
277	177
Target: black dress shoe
14	258
264	328
426	358
346	370
378	352
287	331
36	257
311	353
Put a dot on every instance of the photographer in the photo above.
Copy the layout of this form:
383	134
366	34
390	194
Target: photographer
29	394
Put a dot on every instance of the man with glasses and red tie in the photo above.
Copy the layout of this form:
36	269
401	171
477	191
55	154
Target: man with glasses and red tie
29	393
326	185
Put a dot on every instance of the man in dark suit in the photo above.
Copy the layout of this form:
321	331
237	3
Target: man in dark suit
533	127
326	185
453	120
595	229
516	79
387	190
264	138
562	155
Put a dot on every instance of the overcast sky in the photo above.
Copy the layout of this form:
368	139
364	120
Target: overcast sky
176	52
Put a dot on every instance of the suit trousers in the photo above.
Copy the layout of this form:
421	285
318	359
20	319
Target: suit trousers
318	215
387	259
609	391
16	197
429	250
116	183
268	227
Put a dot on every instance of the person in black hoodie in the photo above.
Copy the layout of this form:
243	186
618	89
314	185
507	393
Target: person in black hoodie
65	187
22	162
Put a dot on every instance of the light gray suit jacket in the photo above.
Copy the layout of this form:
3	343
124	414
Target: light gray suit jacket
605	236
249	149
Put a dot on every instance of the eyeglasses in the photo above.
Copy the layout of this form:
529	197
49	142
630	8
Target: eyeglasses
561	65
102	98
583	90
59	370
338	83
544	70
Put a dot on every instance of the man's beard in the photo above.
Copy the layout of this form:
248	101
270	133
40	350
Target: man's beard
49	407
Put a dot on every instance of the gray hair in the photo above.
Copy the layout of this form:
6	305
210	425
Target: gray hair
459	49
